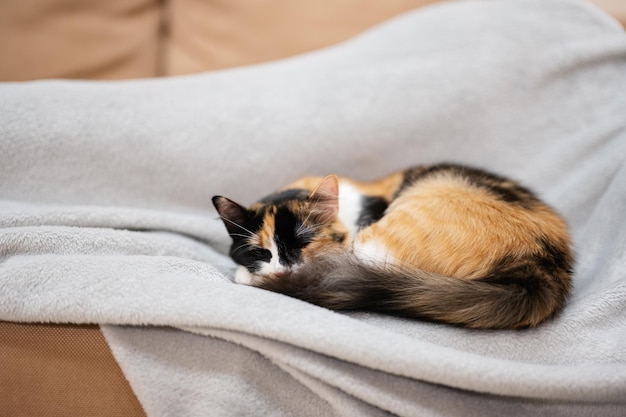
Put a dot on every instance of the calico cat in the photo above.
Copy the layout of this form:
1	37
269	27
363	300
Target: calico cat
446	242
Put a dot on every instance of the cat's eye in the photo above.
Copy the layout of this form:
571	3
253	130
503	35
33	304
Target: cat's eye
250	256
261	254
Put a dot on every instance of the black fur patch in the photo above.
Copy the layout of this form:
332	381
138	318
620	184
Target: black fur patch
514	271
251	258
288	240
509	195
281	196
410	176
501	188
554	259
372	211
547	271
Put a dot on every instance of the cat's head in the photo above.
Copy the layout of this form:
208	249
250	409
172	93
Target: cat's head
282	231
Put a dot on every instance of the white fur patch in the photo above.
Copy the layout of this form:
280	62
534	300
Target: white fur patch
273	266
243	276
350	206
373	251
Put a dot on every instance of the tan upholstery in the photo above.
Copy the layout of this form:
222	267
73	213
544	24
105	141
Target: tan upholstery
117	39
93	39
61	370
616	8
205	35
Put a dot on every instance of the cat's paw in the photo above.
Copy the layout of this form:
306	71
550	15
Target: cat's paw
243	276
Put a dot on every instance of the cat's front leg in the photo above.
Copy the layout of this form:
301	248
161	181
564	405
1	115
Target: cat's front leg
243	276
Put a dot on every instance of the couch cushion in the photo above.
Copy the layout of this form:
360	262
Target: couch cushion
213	34
92	39
61	370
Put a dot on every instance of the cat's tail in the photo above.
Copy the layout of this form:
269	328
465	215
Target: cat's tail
517	295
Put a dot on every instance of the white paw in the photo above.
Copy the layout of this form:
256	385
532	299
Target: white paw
243	276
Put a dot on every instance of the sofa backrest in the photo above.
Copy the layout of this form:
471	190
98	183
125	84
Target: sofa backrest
121	39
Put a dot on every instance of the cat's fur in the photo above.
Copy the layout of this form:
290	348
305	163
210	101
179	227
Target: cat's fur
446	242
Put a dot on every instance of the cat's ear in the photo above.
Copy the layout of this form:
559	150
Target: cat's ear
232	214
325	199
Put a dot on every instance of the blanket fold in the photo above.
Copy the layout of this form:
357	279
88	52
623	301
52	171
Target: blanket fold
106	215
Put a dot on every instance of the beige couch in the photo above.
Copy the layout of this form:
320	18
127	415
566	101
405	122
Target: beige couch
120	39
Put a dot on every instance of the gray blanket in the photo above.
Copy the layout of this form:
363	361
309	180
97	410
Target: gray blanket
106	214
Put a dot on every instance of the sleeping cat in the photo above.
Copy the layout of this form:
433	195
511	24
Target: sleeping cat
446	242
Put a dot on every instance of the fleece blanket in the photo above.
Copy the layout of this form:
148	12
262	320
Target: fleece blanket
106	214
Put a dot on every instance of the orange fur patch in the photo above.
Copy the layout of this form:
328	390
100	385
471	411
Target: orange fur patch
266	234
446	226
385	187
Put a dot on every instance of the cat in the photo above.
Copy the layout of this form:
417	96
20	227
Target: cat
446	243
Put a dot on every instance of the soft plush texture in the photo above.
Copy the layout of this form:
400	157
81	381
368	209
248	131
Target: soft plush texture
106	214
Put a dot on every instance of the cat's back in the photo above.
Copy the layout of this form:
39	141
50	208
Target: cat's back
461	222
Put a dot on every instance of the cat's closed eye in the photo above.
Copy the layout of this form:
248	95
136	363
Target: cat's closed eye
261	254
250	256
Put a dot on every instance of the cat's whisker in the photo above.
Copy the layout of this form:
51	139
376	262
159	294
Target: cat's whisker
218	238
215	239
238	225
303	228
242	248
299	230
308	216
314	228
239	234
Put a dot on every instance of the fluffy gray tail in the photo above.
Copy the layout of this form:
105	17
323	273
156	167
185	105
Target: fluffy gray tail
518	294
